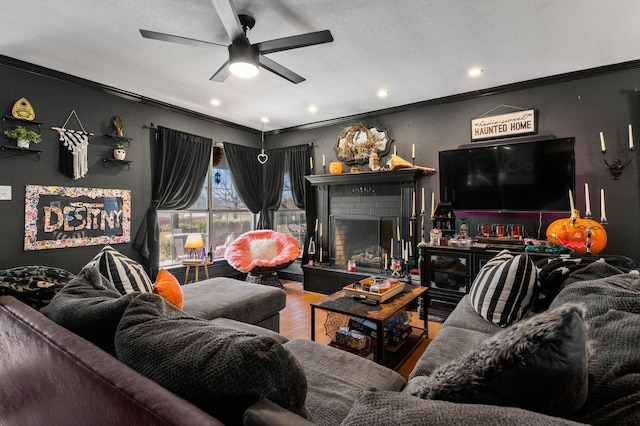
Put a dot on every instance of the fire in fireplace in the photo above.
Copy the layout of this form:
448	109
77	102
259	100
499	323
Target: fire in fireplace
362	238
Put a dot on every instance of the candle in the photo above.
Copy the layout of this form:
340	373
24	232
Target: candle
398	233
573	207
391	247
433	203
406	253
413	204
587	212
316	225
410	251
321	230
410	228
323	161
394	150
311	162
386	261
422	200
413	149
630	137
603	148
603	214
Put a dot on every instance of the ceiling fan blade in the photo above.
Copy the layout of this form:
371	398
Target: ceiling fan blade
293	42
278	69
177	39
222	73
229	17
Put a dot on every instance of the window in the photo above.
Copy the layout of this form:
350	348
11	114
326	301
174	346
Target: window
289	219
218	215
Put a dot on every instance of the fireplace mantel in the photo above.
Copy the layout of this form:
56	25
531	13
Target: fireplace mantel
381	177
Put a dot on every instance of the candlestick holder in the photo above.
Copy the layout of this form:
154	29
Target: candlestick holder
588	227
422	240
616	165
407	272
396	267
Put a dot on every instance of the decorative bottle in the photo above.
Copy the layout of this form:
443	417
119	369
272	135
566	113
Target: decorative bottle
311	251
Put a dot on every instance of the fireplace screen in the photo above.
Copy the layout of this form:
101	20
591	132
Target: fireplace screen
364	239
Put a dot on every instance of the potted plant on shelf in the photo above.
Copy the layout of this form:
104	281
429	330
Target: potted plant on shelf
119	153
23	136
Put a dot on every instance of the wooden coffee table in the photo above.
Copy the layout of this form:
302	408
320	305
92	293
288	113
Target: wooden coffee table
339	303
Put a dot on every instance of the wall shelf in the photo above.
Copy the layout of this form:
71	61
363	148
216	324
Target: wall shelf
12	151
117	139
112	162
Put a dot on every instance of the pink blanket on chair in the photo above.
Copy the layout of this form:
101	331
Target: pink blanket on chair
262	248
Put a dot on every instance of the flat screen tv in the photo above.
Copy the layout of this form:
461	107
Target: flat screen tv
516	176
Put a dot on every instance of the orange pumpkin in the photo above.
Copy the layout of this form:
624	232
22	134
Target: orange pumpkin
574	235
335	167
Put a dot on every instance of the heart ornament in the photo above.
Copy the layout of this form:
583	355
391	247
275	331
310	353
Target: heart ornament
262	158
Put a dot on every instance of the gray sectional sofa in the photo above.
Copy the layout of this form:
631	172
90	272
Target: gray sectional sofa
589	317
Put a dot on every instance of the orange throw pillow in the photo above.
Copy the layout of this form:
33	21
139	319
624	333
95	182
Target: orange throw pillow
168	287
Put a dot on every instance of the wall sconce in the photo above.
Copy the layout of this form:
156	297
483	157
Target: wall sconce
216	178
616	166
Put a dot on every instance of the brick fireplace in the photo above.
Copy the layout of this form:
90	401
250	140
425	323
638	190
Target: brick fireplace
360	215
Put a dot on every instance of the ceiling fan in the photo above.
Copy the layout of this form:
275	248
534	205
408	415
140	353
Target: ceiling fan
244	57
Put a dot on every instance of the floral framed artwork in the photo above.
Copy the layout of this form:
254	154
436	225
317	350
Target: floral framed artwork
357	141
62	216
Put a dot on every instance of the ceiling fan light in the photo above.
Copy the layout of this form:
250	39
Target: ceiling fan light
243	69
243	60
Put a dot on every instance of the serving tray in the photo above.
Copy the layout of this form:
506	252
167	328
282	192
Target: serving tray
361	289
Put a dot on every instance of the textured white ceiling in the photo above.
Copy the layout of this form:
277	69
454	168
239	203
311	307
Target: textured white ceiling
416	49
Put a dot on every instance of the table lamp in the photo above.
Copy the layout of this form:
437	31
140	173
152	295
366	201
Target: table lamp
194	242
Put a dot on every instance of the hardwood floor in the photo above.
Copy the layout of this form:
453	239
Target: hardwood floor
295	322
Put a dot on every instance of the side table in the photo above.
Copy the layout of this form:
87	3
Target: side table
196	263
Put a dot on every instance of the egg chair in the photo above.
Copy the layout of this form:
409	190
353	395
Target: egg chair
261	254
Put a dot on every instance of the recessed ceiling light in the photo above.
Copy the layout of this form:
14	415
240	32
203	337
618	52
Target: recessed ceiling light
313	108
265	119
215	102
475	72
383	93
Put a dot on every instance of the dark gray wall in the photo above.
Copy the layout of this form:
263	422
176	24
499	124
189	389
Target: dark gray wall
53	100
581	108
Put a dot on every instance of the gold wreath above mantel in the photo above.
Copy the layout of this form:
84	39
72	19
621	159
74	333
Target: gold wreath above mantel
357	141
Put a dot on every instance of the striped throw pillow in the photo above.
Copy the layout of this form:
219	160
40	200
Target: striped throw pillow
126	274
504	289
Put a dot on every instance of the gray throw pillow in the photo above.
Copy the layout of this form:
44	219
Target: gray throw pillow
539	364
219	369
374	407
90	306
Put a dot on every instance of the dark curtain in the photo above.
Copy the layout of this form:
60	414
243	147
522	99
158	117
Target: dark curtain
299	166
273	183
258	185
179	172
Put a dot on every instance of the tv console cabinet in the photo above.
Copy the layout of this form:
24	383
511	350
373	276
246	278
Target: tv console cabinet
449	273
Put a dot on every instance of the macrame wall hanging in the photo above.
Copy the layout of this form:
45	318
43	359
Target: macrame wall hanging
74	146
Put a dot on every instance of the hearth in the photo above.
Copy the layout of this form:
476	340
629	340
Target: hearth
362	238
